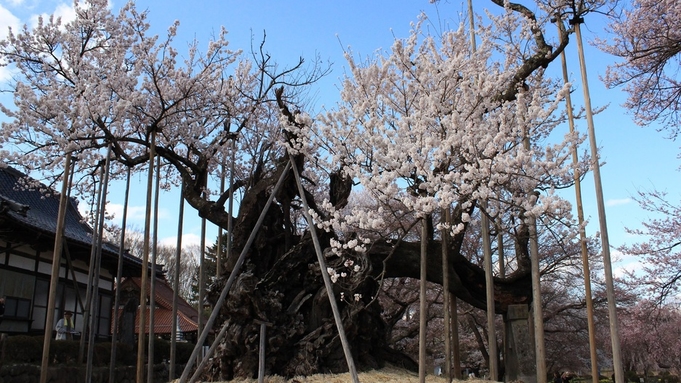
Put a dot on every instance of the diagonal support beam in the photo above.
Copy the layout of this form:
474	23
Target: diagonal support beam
325	276
232	277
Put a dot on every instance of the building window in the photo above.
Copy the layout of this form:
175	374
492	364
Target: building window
17	308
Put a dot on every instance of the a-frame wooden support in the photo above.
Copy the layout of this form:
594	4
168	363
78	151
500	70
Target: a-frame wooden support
322	264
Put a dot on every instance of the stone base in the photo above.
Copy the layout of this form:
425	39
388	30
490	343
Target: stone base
519	356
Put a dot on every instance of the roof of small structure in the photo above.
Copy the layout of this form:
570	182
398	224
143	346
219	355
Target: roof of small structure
163	319
187	314
34	206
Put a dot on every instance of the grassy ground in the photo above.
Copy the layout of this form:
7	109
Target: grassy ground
385	375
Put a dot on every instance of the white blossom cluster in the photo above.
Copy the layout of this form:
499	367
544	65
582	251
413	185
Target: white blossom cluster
102	77
424	126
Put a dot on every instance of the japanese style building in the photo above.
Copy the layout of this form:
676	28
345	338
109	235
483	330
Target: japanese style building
28	217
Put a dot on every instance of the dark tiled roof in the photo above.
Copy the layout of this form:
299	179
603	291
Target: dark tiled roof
38	209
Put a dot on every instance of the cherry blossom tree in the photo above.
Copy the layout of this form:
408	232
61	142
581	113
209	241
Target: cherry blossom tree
647	38
429	125
660	251
649	42
650	337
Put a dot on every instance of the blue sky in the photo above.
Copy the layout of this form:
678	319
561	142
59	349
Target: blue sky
635	158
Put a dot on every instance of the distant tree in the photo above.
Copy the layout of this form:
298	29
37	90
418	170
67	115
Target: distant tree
189	268
165	257
651	337
648	39
209	269
659	252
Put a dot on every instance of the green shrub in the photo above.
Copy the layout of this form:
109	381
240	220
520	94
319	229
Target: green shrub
631	376
665	376
161	350
183	350
126	354
25	349
64	351
101	354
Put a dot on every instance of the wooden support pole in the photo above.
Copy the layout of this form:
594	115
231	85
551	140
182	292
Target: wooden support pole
152	281
232	278
261	355
145	265
605	242
446	296
423	305
456	351
202	274
261	350
489	295
325	275
218	251
98	264
582	232
87	313
210	352
540	349
119	275
176	289
56	263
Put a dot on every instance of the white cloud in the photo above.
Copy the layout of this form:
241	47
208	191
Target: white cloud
623	263
617	202
136	214
8	20
188	240
66	12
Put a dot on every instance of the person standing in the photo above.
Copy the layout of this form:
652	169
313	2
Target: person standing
65	327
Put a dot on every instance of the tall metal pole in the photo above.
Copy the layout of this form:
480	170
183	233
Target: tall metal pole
605	242
582	232
232	277
56	263
423	305
119	275
145	264
176	288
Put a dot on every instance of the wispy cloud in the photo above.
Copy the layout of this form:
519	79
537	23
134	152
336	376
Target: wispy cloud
8	20
188	240
617	202
66	12
136	214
